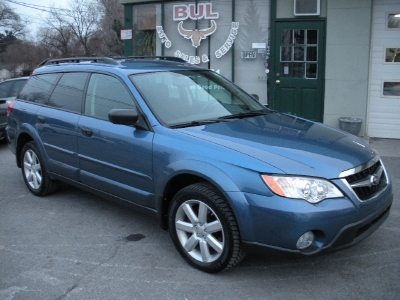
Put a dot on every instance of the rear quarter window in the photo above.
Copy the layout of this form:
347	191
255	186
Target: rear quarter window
39	87
17	87
4	88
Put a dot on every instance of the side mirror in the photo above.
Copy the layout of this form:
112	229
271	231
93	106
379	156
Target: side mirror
129	117
123	116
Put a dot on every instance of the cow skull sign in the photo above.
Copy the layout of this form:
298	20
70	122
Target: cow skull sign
197	35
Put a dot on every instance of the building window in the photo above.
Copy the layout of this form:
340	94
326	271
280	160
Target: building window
144	29
299	53
392	55
393	21
391	88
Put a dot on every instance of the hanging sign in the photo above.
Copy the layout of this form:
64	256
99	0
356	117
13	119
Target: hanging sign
126	34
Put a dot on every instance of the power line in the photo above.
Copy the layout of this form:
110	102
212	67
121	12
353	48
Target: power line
36	6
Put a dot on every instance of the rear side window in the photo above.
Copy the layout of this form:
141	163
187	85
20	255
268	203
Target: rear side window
39	87
17	87
105	93
4	88
68	93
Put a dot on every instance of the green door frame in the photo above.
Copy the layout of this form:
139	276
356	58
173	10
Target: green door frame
274	64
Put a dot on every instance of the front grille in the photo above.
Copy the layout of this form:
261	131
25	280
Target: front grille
368	182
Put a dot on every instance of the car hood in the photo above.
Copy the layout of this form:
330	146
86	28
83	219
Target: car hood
290	144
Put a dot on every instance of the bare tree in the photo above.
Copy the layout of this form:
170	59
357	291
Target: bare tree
73	31
9	20
24	57
83	20
111	23
57	37
86	28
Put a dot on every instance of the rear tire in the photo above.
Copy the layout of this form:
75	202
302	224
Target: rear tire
34	171
204	229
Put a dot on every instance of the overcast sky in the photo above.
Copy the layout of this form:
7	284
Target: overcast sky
35	11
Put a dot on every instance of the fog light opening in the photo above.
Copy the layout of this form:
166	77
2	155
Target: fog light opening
305	240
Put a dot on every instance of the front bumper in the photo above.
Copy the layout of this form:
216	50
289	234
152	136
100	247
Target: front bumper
277	223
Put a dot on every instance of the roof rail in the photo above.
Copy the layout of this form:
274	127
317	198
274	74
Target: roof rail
170	58
104	60
113	60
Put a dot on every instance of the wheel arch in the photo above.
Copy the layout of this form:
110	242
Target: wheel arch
184	174
27	134
23	138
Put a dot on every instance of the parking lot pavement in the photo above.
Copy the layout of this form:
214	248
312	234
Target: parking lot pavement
386	147
73	245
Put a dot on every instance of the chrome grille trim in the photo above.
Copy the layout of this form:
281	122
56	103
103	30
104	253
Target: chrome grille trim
359	168
370	180
366	181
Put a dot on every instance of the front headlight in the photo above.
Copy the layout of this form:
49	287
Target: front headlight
313	190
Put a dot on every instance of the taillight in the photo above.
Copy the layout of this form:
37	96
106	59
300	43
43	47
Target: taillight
10	107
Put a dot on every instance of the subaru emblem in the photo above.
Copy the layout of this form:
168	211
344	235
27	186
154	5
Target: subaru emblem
374	180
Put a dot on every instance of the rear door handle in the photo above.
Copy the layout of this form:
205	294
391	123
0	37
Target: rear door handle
87	131
41	119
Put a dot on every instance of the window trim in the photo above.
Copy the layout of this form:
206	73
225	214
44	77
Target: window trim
384	56
387	21
383	85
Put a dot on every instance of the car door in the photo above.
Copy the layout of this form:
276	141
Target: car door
114	158
56	122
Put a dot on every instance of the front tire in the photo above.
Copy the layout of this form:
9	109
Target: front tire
34	171
204	229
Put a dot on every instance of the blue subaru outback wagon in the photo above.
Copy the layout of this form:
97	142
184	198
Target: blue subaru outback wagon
223	173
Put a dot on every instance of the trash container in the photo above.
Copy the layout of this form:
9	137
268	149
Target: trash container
350	124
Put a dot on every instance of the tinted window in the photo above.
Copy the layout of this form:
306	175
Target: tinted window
105	93
68	93
39	87
17	87
4	88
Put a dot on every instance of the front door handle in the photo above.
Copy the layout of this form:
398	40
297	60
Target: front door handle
87	131
278	82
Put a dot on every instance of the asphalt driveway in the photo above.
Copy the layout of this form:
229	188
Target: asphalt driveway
73	245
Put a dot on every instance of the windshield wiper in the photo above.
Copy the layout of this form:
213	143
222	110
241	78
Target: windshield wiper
244	115
196	123
222	119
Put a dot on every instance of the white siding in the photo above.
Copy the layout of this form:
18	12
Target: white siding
383	111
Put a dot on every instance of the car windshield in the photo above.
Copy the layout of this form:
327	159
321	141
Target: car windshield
189	98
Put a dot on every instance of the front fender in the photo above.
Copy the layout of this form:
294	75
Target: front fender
210	173
202	169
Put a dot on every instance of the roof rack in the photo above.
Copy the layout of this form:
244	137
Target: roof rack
108	60
104	60
169	58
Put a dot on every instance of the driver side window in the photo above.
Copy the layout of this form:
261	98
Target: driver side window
105	93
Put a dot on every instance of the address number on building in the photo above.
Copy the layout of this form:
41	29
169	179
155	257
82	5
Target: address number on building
249	54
